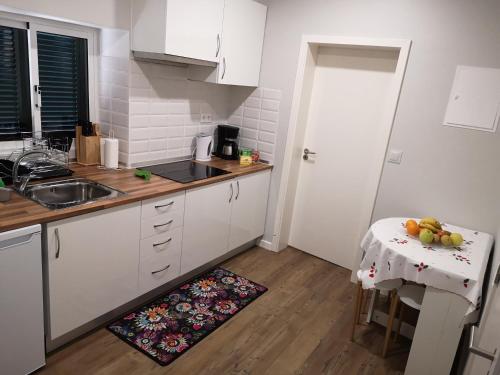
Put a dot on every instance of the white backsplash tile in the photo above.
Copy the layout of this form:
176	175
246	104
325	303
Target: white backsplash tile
258	118
155	111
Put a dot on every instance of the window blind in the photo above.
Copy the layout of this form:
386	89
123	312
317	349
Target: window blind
15	110
63	79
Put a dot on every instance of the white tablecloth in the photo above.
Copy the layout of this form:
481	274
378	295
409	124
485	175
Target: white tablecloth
389	253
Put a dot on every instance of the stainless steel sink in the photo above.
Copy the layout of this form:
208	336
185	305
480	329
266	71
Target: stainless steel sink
68	193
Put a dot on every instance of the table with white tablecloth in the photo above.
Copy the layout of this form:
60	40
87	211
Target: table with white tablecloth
453	277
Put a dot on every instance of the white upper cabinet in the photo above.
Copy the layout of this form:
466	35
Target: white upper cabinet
222	39
242	40
186	28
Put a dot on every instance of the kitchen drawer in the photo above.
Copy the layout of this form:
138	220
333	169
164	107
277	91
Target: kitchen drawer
167	242
159	206
158	270
161	224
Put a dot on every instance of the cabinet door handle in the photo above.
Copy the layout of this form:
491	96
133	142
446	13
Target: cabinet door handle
162	225
238	193
218	46
231	197
58	244
161	270
164	205
223	67
162	243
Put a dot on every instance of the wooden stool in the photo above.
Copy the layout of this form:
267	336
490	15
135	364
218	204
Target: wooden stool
409	295
388	285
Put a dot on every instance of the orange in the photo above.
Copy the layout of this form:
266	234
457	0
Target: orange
412	228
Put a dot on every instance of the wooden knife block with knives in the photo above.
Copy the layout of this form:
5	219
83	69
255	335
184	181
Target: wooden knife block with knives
88	143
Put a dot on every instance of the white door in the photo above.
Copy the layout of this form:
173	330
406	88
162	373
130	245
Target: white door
243	37
248	210
92	266
206	224
193	28
348	106
489	339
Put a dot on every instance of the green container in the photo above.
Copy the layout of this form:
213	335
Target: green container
245	152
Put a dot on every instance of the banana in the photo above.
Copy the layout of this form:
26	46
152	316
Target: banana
428	226
432	221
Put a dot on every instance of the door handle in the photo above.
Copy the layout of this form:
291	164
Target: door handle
231	197
238	192
223	67
58	247
4	245
307	152
218	46
38	96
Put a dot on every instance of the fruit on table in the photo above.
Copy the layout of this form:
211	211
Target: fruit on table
446	240
431	221
456	239
412	227
437	239
426	236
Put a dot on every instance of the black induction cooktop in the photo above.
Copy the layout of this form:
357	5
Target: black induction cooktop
185	171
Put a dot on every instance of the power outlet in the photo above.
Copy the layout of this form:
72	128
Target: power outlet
206	118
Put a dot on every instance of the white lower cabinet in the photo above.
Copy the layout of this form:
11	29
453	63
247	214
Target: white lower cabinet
248	208
100	261
206	224
222	217
92	263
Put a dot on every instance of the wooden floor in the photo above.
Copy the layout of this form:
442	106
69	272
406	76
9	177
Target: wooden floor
300	326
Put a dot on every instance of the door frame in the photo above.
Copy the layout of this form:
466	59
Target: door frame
298	122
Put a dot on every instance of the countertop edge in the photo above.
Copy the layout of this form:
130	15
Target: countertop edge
47	216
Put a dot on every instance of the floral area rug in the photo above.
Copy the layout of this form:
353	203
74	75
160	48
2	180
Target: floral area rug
172	324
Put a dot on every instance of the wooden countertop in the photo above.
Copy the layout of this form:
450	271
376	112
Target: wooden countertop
20	212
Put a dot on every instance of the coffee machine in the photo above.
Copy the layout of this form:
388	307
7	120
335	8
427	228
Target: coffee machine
227	142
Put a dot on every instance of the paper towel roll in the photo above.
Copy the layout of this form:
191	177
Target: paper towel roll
102	149
111	153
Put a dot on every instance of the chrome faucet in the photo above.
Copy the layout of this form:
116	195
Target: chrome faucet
21	182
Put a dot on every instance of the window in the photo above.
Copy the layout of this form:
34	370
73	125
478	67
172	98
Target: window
15	107
47	88
63	79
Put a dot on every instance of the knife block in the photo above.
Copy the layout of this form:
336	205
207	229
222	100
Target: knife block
88	149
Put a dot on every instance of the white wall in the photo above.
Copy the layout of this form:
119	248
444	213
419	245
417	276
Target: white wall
103	13
451	173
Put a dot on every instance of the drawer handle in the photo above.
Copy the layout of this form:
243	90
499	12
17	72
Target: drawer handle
162	225
164	205
161	270
162	243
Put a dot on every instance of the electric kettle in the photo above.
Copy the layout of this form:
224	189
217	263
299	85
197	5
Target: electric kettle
203	149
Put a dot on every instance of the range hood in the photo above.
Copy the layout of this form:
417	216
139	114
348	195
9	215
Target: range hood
161	58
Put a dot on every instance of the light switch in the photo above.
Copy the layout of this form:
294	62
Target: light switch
395	156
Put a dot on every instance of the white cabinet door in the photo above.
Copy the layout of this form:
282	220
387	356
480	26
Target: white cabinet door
248	211
186	28
206	224
243	37
194	28
92	265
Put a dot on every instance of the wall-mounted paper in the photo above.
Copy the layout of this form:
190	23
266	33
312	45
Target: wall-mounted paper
475	99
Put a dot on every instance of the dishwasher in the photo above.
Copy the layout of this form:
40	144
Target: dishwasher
22	349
